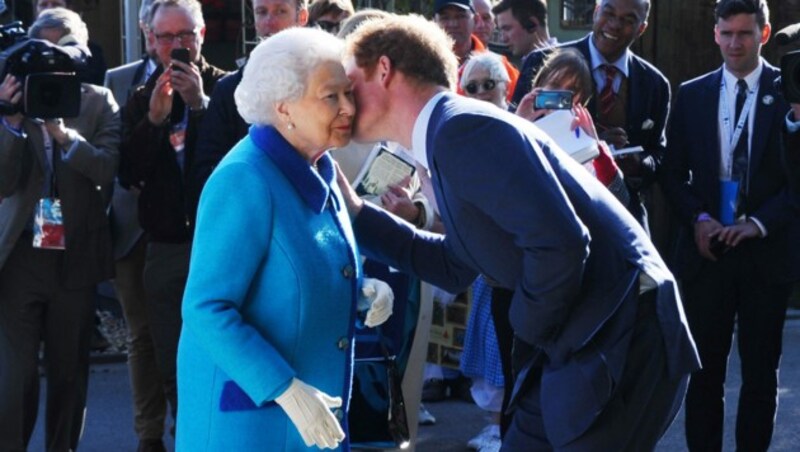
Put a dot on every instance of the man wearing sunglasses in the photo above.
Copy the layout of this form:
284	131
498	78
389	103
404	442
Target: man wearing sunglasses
458	19
160	126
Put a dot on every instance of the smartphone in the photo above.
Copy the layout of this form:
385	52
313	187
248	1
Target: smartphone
181	55
553	100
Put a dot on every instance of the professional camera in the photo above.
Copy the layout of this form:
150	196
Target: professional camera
50	87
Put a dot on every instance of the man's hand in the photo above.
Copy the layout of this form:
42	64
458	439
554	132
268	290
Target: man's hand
735	234
57	130
616	136
188	83
351	199
398	201
11	92
704	232
161	100
796	111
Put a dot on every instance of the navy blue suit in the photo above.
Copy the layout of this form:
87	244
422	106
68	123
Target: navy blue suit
523	213
646	111
750	283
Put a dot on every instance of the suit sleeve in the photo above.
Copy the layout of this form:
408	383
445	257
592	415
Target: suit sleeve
386	238
142	142
97	154
496	168
675	175
216	136
11	153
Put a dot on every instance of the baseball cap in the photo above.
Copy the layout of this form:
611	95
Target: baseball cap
439	5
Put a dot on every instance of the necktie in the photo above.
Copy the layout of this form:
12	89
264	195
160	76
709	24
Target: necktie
607	95
740	157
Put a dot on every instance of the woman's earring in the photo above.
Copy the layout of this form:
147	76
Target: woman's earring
290	126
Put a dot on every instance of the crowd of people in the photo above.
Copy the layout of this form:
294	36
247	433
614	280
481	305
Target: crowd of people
223	206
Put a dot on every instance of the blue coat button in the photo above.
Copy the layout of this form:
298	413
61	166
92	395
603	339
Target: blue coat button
343	343
348	271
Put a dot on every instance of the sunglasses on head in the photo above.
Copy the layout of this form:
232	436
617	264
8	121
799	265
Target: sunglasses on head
487	85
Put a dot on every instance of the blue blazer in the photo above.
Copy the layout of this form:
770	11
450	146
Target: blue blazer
691	174
646	111
520	211
271	295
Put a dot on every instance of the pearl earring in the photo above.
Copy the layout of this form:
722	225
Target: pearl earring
290	126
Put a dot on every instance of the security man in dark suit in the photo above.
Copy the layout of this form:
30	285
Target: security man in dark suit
724	174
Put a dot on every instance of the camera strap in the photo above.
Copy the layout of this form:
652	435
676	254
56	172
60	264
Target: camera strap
735	134
49	156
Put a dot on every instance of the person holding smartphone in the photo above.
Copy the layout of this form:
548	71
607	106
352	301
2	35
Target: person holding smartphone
160	126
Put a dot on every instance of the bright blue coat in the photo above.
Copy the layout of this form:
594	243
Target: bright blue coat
271	295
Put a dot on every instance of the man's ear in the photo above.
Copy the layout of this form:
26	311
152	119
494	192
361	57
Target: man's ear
302	17
384	70
641	30
766	32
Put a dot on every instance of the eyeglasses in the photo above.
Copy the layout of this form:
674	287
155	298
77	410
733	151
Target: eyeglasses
329	26
474	87
184	37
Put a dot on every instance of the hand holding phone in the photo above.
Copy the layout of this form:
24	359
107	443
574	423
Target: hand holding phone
553	100
182	55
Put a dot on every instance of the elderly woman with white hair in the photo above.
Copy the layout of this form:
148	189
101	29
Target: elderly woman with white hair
485	78
275	285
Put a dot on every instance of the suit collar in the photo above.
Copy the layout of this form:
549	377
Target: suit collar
596	59
419	135
766	109
313	186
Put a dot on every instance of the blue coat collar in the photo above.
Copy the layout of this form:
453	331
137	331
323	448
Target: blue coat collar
314	186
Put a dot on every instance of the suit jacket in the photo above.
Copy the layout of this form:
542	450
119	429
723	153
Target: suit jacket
286	309
518	210
149	162
125	229
646	111
691	174
222	127
79	178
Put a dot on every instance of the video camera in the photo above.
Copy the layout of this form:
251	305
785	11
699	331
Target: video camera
789	81
51	88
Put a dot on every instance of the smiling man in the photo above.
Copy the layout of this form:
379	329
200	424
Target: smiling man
631	97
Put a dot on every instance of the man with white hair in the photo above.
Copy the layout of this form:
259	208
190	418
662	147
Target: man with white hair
47	284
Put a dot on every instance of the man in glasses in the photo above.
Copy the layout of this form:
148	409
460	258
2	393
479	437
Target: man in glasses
222	125
458	19
329	14
160	126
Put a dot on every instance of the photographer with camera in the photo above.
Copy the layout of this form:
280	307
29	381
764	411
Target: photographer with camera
55	246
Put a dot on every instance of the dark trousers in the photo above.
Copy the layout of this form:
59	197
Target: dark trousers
149	398
645	402
36	308
727	293
501	304
165	271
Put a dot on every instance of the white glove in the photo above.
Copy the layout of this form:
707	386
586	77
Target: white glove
309	410
378	297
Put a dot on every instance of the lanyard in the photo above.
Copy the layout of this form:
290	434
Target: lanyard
736	133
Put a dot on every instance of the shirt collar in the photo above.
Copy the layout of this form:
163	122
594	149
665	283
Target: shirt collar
752	78
314	186
598	60
419	135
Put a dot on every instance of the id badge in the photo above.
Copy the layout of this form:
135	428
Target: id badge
177	137
729	201
48	225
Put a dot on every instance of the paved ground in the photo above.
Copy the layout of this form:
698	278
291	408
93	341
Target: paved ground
109	418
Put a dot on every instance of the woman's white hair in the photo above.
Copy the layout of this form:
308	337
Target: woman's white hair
279	68
68	21
486	60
